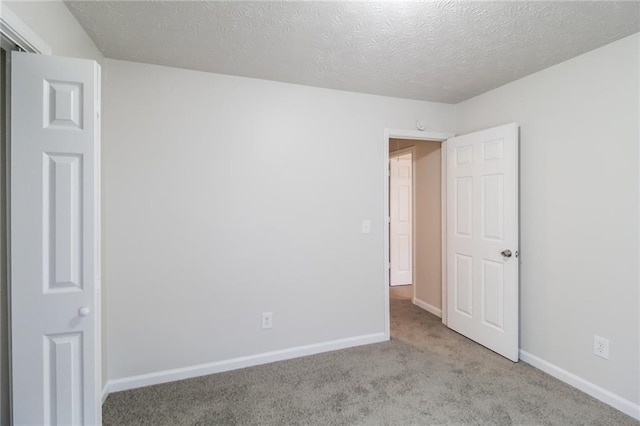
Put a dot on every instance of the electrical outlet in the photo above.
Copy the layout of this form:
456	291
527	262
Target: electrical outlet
267	320
600	347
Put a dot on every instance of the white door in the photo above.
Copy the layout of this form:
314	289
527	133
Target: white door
482	238
55	300
400	194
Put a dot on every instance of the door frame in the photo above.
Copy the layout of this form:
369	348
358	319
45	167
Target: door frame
12	27
423	136
399	153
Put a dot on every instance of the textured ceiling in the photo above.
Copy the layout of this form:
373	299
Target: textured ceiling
445	51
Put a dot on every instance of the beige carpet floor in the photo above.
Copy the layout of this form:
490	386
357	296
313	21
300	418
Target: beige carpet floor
426	375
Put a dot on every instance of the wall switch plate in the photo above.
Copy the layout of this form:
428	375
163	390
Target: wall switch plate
366	226
267	320
600	347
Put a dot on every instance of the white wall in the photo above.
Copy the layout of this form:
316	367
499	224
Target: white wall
58	28
579	209
227	197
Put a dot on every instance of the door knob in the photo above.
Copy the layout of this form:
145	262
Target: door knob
506	253
83	312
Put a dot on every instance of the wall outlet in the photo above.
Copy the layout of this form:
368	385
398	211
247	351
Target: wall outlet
600	347
267	320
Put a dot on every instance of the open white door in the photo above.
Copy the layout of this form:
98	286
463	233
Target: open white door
55	299
400	194
482	238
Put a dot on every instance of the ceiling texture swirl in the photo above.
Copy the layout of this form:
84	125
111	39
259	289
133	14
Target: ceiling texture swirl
444	51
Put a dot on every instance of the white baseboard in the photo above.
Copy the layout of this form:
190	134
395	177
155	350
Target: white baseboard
427	307
630	408
105	392
159	377
616	401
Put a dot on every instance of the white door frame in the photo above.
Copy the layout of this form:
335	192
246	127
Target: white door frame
20	34
423	136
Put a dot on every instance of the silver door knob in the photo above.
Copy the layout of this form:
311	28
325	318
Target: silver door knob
84	311
506	253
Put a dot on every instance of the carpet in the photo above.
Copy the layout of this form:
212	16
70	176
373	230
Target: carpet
426	375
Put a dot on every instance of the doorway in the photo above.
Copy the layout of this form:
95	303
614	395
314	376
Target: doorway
478	232
427	157
415	173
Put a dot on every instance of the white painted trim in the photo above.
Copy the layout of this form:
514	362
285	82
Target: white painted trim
427	307
414	247
628	407
12	27
159	377
105	392
415	135
386	268
443	230
638	377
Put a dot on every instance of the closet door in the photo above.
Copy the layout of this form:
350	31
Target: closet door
55	223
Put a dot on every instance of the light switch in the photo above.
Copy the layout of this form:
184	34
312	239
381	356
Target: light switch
366	226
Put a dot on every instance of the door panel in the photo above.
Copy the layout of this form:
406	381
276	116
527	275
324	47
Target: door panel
463	284
482	222
464	207
63	378
493	293
62	227
55	305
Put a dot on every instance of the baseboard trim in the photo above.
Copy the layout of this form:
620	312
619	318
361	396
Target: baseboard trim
427	307
105	392
166	376
630	408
